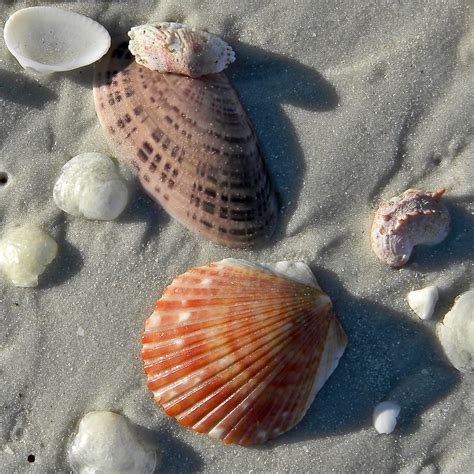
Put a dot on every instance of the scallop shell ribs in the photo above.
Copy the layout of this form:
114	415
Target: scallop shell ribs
192	147
239	350
415	217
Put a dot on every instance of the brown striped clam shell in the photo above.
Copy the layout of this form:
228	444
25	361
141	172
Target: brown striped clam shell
192	147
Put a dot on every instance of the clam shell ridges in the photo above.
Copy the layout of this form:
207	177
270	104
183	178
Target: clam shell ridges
239	352
191	145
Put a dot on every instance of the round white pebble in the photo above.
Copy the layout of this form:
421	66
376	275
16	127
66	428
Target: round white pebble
456	333
423	301
91	186
24	254
385	417
107	443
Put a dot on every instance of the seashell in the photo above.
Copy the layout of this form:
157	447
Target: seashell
192	146
423	301
239	350
90	185
456	333
25	253
107	442
179	49
385	417
415	217
49	39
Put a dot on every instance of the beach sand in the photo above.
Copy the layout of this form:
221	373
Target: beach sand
352	102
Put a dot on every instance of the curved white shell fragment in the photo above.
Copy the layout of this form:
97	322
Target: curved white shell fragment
456	333
423	301
24	254
91	186
48	39
239	350
415	217
385	417
179	49
106	442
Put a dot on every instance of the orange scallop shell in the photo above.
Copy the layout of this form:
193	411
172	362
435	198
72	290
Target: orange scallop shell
239	351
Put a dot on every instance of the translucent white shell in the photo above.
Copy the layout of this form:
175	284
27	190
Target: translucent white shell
239	350
48	39
456	333
179	49
107	443
24	254
91	186
423	301
385	417
415	217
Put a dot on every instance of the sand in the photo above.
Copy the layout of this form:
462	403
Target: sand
352	102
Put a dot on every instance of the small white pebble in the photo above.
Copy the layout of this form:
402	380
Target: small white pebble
423	301
385	417
106	442
91	186
24	254
80	331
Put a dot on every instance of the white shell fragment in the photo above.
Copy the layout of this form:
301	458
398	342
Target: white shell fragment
48	39
423	301
385	417
107	443
24	254
91	186
179	49
456	333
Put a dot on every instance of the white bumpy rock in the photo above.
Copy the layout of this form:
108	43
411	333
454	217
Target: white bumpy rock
108	443
25	252
91	186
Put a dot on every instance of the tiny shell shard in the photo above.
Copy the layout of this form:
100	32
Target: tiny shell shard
415	217
179	49
239	350
191	145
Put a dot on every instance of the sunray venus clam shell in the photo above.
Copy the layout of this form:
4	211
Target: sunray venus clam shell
239	350
192	146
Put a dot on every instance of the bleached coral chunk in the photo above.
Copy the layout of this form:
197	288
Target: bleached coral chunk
24	254
423	301
107	443
90	186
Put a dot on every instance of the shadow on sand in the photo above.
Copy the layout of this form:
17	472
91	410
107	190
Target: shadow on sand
388	357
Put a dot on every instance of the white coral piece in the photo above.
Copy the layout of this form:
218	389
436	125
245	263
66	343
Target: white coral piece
91	186
24	254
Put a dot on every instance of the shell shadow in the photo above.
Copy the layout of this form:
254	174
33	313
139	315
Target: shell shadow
388	357
67	263
458	245
174	456
265	82
143	208
18	88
